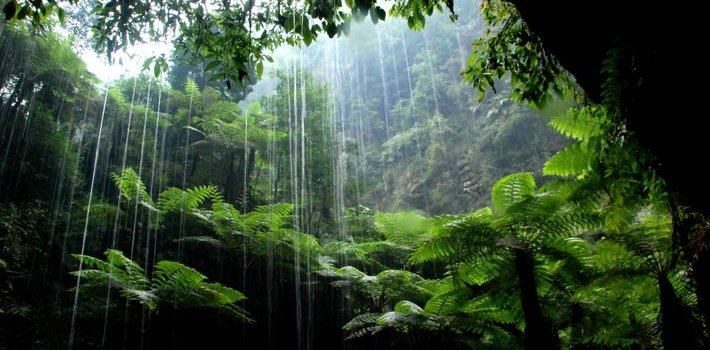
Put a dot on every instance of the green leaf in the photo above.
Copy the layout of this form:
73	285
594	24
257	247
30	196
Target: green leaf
373	15
259	69
211	66
148	62
381	14
331	29
307	37
580	123
408	307
345	27
512	189
10	10
156	69
573	160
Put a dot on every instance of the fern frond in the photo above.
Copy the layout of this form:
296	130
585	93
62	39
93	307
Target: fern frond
268	218
580	123
192	90
408	315
173	284
570	224
439	248
573	160
480	269
196	196
132	187
135	276
186	287
512	189
485	308
447	302
226	110
362	321
408	307
350	273
175	199
210	241
404	228
145	297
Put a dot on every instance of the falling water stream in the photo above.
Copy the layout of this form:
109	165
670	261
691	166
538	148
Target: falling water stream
85	234
114	235
378	92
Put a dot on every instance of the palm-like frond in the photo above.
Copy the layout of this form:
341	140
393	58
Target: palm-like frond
511	190
268	217
454	235
404	228
175	199
362	325
118	269
132	187
193	91
580	124
173	284
185	287
406	316
574	160
368	254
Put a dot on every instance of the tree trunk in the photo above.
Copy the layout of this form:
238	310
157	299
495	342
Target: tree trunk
581	37
676	326
277	179
229	186
701	271
538	333
250	162
690	239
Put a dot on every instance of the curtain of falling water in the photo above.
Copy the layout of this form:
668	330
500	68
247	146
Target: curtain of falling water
75	308
15	141
385	102
114	235
181	230
78	140
152	190
137	199
295	184
123	164
413	115
245	208
431	74
337	114
57	203
145	316
273	179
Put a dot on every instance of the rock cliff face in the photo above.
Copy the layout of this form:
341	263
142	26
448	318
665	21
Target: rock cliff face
460	157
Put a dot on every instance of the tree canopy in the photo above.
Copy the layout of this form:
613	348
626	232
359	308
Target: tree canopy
545	266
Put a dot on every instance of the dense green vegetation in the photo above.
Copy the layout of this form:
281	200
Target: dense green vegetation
359	196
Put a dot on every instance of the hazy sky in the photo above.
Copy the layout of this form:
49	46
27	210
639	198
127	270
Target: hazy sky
125	63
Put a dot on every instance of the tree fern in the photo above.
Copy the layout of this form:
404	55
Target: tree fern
527	238
121	272
449	232
574	160
173	284
512	189
361	325
132	187
403	228
175	199
192	90
582	123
